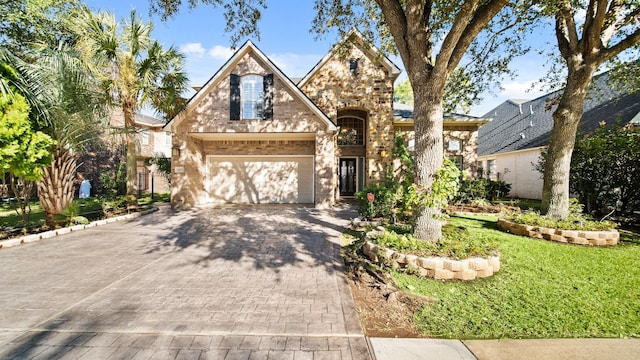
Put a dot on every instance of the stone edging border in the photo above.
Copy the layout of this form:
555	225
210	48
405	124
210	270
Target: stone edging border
577	237
439	268
66	230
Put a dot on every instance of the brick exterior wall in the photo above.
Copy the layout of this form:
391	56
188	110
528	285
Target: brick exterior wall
333	88
467	135
211	114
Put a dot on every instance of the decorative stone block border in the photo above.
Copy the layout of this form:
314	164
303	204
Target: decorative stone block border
439	268
578	237
65	230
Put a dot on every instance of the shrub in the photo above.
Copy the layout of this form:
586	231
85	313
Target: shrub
115	181
576	220
385	201
604	170
397	196
456	243
478	189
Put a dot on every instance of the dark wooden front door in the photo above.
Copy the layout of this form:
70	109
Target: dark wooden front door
348	177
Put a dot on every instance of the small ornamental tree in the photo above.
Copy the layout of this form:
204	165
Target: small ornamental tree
23	151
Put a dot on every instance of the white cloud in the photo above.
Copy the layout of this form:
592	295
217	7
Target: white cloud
521	90
295	65
193	49
220	52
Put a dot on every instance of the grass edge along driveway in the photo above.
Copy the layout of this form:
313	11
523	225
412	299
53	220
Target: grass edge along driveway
543	290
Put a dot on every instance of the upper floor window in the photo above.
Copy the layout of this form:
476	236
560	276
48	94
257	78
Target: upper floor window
251	97
351	131
144	137
455	145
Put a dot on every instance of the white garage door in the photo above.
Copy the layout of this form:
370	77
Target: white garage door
260	179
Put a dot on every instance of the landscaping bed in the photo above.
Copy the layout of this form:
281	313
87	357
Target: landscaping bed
543	290
85	211
577	237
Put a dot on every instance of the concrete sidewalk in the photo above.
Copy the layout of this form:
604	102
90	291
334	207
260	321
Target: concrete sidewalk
542	349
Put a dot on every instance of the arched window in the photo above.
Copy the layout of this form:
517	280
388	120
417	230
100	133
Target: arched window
351	131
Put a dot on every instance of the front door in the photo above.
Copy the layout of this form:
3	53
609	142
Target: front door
348	177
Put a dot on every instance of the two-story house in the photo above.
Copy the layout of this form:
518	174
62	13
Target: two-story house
252	135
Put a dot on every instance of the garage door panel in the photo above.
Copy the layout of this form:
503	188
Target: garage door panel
256	180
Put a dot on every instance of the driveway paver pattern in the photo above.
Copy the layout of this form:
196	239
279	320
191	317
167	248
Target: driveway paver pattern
254	282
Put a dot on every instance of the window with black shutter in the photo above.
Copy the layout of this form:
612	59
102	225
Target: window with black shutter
251	97
267	83
234	97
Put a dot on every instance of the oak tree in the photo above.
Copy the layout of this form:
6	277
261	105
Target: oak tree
432	37
589	33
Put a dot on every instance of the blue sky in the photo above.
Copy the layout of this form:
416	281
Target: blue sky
286	39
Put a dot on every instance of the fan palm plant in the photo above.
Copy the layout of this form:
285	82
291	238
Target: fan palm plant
134	71
75	116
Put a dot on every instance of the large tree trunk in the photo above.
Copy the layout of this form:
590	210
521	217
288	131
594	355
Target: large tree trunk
55	190
566	118
132	162
428	120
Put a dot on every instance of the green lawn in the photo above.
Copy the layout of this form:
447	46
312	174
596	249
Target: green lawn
9	217
543	290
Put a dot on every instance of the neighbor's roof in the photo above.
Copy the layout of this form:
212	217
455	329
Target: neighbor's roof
147	120
519	125
403	114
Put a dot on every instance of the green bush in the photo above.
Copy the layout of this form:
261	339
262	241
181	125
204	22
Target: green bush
481	189
397	196
576	220
604	170
115	181
385	201
456	243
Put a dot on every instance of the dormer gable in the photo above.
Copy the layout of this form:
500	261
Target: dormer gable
353	64
251	69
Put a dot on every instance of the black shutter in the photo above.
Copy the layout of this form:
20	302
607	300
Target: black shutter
234	96
267	83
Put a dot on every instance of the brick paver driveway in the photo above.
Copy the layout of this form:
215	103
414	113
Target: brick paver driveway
228	283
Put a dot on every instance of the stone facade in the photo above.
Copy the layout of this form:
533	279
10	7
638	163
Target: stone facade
336	89
353	84
205	129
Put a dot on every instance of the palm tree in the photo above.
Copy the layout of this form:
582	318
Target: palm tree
134	71
76	115
67	107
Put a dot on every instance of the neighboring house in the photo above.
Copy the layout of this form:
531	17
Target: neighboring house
252	135
510	145
151	141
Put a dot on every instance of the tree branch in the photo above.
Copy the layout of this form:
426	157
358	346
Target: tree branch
614	24
460	23
481	18
626	43
596	13
397	23
566	32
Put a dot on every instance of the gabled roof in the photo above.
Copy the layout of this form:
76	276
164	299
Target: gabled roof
226	69
354	36
147	120
519	125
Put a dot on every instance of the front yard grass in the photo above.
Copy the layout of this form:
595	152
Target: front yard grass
543	290
9	217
